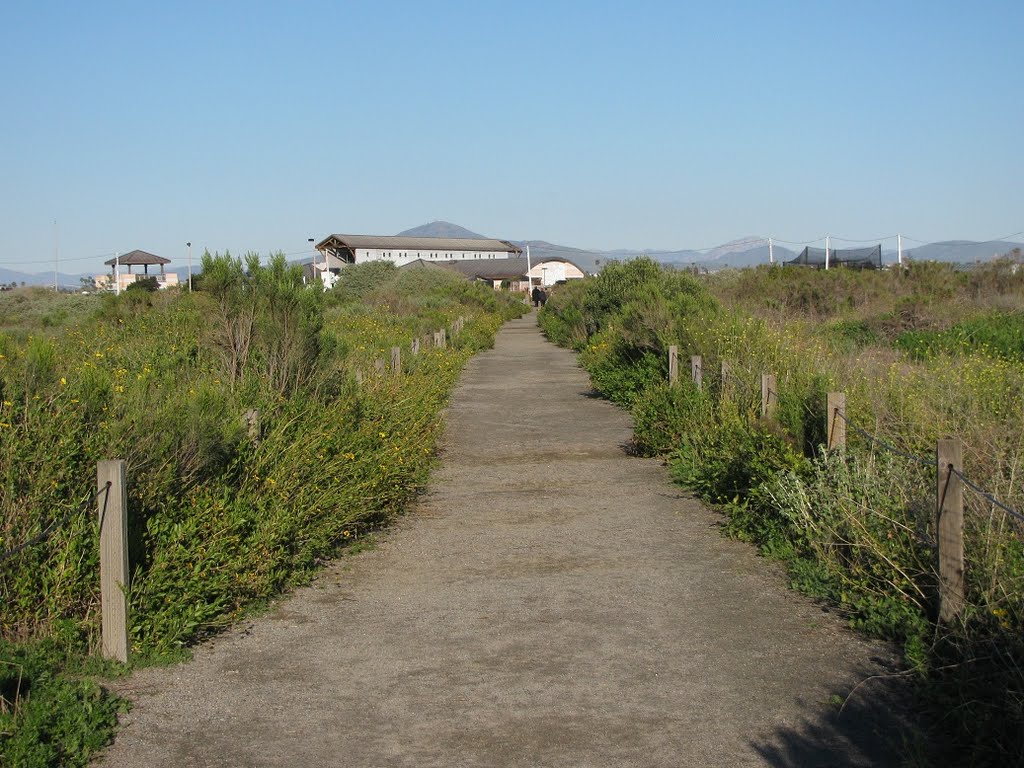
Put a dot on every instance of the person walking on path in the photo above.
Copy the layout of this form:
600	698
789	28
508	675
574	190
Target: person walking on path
535	295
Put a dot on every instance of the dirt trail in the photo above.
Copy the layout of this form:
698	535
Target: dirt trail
551	602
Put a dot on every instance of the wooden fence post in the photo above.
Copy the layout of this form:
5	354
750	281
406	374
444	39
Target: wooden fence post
416	345
379	366
112	502
835	420
396	360
253	427
697	371
441	339
769	395
673	364
949	527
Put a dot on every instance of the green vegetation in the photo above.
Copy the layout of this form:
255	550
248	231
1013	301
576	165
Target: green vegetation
221	519
854	528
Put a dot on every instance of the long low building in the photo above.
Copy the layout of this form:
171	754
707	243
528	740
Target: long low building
340	250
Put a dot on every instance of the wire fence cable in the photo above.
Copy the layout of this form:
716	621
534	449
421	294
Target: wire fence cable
54	526
932	463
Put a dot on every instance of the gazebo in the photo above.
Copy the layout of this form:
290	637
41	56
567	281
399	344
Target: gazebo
145	260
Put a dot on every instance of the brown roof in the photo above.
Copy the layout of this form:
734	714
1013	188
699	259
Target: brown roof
490	269
417	243
136	258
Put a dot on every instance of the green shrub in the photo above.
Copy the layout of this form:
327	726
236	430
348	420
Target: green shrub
219	520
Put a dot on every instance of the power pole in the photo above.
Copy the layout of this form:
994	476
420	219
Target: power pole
826	251
771	252
899	250
189	246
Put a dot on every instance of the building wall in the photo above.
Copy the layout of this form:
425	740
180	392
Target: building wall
106	282
400	258
550	272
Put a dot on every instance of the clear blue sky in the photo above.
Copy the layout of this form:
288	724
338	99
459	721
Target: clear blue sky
253	126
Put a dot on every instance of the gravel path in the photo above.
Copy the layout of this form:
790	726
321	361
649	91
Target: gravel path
551	602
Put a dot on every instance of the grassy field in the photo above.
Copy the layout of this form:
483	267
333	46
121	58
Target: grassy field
921	353
220	520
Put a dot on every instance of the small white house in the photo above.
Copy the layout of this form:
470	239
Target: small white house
551	270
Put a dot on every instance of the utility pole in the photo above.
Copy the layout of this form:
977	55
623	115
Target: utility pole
117	273
826	252
529	280
899	250
771	252
323	276
189	246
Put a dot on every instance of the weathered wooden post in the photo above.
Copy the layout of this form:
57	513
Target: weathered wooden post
949	527
252	424
673	364
835	420
379	366
416	345
112	502
441	339
769	396
697	371
396	360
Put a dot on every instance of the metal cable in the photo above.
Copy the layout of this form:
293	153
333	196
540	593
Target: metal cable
54	526
888	446
985	494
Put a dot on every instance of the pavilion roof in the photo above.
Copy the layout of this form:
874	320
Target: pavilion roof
134	258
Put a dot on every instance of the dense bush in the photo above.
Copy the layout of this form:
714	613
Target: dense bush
855	528
221	517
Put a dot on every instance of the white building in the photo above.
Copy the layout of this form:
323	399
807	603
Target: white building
337	251
550	270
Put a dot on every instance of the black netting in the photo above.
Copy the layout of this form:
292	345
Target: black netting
857	258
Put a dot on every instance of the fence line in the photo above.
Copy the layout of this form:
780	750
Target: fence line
949	509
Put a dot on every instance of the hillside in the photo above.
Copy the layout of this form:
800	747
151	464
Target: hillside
442	229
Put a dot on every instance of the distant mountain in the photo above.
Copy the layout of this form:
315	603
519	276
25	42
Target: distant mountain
961	251
742	245
442	229
8	276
